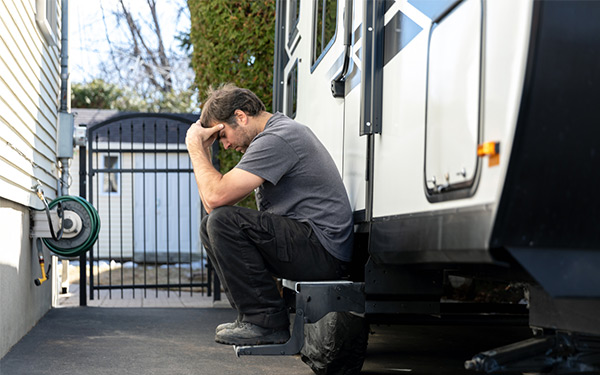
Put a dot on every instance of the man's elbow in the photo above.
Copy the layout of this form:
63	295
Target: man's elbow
213	201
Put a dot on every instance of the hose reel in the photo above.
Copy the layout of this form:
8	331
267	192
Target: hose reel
80	226
68	226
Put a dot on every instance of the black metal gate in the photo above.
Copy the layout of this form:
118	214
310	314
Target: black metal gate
141	181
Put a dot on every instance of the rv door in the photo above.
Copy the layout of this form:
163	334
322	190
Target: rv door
420	99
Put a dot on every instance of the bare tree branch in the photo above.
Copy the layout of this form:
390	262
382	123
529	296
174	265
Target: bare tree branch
110	45
161	47
154	61
139	58
135	37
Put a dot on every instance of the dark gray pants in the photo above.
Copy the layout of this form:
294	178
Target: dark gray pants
247	248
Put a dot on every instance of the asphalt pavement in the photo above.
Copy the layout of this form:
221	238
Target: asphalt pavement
132	341
153	341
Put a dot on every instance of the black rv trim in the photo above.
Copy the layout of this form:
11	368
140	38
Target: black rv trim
291	88
293	27
371	90
338	84
372	68
456	236
280	58
549	199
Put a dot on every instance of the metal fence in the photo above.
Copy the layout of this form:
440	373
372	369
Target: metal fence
141	181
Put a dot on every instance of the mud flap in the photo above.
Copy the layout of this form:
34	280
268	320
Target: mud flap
336	344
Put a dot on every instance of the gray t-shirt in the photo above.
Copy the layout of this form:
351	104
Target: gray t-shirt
301	182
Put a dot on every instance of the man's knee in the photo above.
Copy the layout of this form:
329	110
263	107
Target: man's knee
220	220
203	233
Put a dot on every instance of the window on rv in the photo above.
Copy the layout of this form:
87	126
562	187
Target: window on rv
294	13
324	27
292	91
110	183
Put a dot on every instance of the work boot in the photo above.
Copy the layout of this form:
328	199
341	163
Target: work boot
230	325
250	334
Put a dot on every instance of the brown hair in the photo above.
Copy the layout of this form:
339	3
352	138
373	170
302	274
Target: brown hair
221	103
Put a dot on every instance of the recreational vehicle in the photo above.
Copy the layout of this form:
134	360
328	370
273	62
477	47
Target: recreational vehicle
467	133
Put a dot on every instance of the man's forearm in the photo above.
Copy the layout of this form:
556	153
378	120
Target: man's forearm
207	177
215	189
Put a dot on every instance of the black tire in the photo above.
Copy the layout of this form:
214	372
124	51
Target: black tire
336	344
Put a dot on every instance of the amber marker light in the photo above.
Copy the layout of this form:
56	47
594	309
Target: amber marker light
491	149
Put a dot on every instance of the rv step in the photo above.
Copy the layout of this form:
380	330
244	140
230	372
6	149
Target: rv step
314	299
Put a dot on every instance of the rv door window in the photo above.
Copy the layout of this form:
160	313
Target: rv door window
453	98
294	13
323	28
291	90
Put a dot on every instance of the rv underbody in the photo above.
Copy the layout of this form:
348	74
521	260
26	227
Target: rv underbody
467	135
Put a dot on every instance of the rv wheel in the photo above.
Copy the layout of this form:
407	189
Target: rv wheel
336	344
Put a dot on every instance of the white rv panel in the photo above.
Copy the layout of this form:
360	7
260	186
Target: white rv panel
320	110
400	162
506	42
355	152
355	146
398	185
475	73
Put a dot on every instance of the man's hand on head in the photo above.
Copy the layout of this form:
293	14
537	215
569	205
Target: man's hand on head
199	139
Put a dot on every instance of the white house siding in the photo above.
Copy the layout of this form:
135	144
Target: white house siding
29	103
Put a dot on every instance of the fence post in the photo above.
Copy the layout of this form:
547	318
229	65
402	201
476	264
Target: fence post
82	257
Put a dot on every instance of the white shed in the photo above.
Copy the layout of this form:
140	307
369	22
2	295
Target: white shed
142	185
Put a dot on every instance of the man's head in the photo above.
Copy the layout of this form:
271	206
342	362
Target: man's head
221	104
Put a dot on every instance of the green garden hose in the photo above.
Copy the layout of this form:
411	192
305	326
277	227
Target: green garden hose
85	239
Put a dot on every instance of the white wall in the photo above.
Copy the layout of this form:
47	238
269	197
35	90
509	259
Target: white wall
29	103
22	303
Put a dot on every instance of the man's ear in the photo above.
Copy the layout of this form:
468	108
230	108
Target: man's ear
241	116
